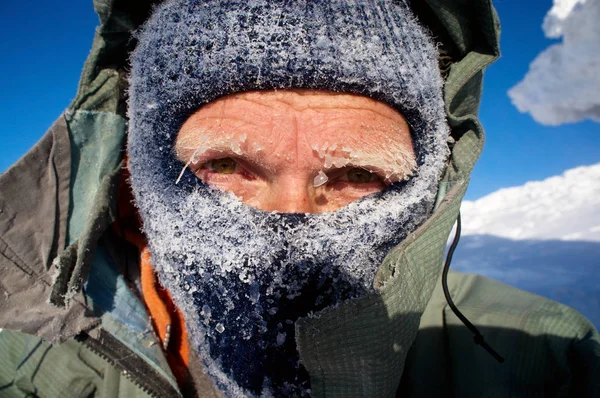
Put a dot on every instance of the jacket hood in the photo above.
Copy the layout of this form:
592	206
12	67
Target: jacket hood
73	201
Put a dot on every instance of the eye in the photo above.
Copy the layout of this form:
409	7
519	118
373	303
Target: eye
221	166
360	176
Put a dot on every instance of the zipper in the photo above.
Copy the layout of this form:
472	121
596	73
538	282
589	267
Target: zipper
134	368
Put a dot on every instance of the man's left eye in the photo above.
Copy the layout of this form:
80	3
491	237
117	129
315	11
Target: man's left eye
221	166
360	176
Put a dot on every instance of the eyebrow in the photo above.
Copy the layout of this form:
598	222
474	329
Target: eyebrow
397	162
197	142
236	148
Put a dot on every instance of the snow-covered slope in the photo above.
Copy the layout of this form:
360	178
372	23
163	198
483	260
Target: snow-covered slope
565	271
565	207
543	237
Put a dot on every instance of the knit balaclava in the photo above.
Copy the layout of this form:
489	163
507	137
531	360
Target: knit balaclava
242	277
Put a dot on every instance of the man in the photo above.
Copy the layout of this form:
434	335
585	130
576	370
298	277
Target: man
296	168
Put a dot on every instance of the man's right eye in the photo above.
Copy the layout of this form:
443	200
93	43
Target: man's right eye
358	175
361	176
221	166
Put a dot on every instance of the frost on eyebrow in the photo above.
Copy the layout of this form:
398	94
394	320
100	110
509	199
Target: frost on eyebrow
396	161
198	142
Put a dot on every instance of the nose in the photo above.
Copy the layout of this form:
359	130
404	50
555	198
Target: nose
294	196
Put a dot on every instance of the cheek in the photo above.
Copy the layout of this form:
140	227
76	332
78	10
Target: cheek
245	189
338	195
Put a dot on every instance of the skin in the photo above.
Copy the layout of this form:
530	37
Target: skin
266	147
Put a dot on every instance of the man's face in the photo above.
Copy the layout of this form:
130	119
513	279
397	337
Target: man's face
297	151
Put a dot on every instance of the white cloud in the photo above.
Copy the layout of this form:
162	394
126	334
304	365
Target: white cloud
565	207
563	83
556	17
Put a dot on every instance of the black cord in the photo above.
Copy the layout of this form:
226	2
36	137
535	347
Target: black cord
477	336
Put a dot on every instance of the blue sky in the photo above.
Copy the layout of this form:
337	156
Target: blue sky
517	148
44	45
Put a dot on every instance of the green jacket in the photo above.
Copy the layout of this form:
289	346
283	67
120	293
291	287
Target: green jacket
74	325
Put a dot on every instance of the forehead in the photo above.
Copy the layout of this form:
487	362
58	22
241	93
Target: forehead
308	114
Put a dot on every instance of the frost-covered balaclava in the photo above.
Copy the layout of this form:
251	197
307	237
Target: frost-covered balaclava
241	276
